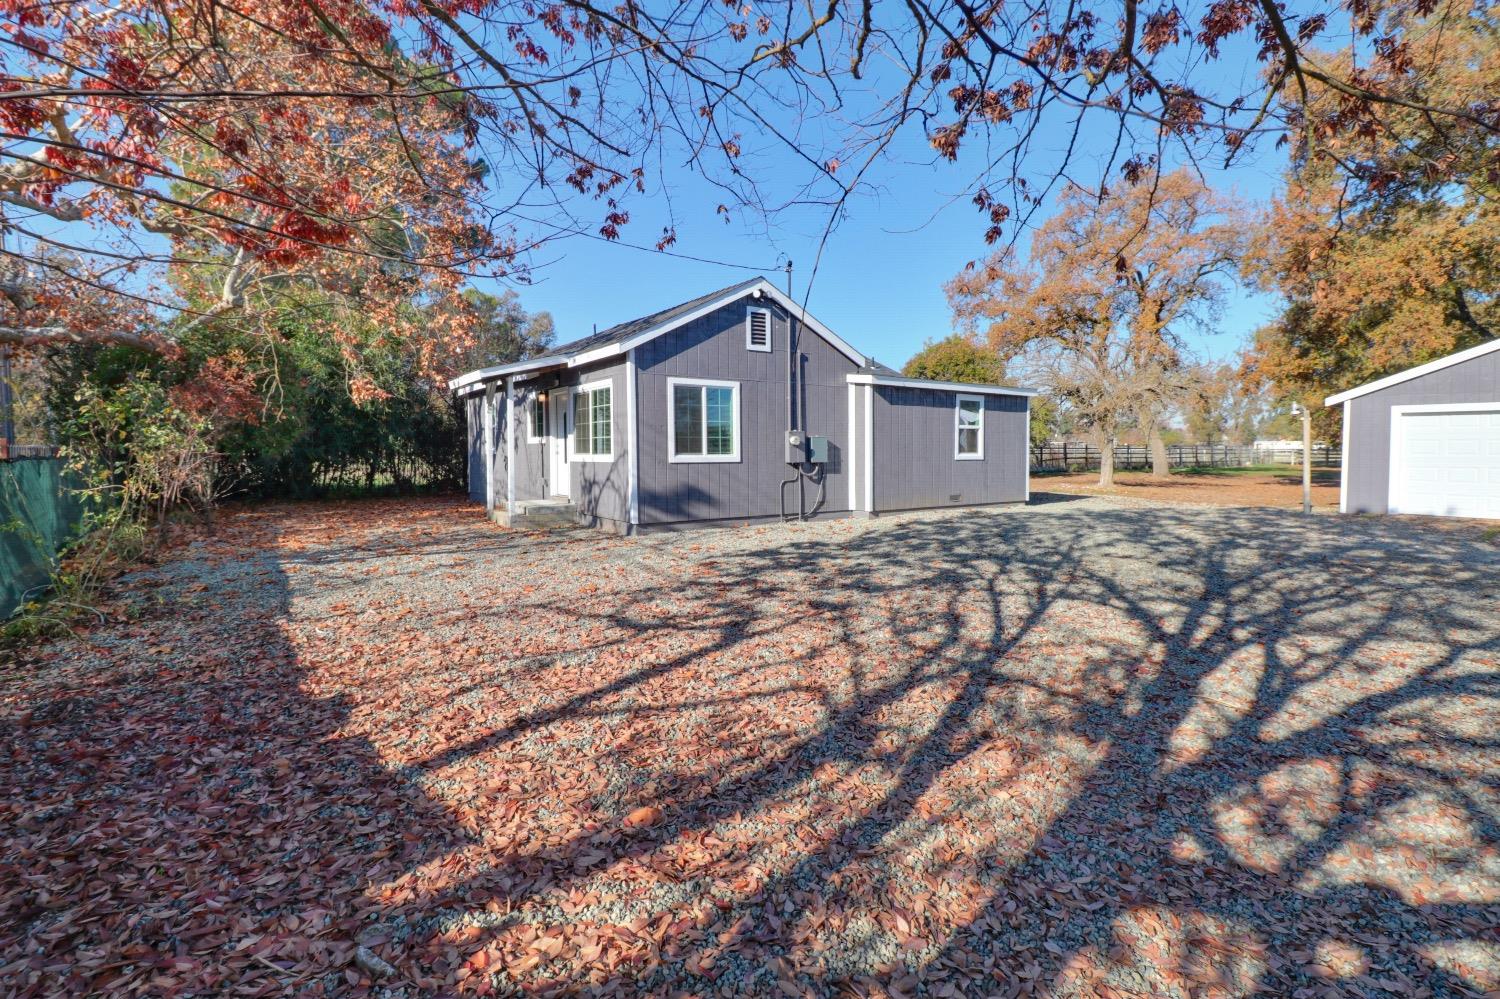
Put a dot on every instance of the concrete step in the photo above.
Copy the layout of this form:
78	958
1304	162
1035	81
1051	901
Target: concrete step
539	515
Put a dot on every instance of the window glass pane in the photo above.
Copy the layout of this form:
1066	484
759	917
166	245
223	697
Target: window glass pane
720	419
539	416
603	435
581	426
968	440
687	419
968	413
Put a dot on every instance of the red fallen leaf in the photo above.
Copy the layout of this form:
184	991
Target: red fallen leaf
643	817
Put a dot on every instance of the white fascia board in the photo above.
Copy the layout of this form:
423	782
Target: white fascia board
1417	372
904	382
470	379
765	288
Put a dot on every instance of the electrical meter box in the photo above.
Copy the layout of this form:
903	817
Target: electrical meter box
817	450
796	447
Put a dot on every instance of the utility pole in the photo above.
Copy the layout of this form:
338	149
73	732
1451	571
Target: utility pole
1306	414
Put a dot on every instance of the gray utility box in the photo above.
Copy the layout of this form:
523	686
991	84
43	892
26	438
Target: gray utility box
796	447
817	450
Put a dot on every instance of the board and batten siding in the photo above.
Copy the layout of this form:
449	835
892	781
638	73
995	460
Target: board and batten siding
1367	454
601	489
914	443
712	347
474	420
531	459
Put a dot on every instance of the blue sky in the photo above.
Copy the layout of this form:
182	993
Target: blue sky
879	283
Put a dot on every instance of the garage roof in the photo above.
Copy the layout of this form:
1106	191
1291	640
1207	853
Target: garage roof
1417	372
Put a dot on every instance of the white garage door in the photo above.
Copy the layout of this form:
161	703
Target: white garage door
1446	461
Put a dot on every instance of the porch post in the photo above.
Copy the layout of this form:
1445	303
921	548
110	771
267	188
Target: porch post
510	446
487	420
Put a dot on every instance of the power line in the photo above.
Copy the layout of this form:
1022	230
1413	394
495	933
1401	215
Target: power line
642	248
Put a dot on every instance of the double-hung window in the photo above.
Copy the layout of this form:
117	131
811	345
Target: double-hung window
968	422
536	425
593	431
705	420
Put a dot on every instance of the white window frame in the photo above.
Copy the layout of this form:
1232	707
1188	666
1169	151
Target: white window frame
700	459
958	408
537	399
577	390
750	310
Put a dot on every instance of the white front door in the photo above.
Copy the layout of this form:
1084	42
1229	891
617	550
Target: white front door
560	413
1445	460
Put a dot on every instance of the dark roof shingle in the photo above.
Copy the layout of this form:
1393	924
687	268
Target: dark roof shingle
624	331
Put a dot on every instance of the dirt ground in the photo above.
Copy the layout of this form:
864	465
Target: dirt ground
1084	748
1248	489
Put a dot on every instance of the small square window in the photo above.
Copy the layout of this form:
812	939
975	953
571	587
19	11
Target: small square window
705	421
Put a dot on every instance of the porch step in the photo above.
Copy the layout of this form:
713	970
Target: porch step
539	515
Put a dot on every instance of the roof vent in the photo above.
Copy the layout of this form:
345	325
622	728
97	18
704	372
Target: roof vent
758	330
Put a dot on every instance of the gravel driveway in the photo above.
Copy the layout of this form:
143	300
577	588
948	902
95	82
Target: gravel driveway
1090	747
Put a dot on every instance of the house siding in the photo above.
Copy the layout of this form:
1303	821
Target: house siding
915	467
474	414
601	489
532	480
713	347
1368	461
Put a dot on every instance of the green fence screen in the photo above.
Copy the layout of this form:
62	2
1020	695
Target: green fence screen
39	512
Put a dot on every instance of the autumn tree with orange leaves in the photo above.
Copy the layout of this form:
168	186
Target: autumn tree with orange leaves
1384	248
377	148
1099	308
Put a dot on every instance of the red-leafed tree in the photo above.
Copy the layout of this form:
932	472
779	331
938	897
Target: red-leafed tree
346	144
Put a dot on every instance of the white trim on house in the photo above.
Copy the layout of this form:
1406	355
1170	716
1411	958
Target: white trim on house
903	382
1396	496
589	387
473	381
759	289
1026	450
705	458
510	445
853	447
633	468
870	449
1344	462
751	311
1417	372
958	427
488	417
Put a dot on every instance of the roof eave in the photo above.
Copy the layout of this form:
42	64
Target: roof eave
1479	350
481	376
903	381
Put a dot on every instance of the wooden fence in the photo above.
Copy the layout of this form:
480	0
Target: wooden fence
1078	457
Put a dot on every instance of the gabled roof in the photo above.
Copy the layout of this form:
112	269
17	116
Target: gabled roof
626	336
1417	372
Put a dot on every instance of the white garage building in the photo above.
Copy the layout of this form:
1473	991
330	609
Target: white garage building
1427	440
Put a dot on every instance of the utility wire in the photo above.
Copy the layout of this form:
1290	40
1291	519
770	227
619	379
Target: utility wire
638	246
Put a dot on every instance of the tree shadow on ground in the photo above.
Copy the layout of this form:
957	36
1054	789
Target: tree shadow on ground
1235	752
1065	750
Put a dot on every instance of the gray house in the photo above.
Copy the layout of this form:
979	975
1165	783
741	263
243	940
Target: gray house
732	408
1426	440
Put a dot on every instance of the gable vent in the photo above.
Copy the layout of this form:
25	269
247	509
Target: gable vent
758	330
